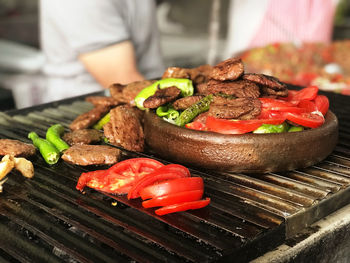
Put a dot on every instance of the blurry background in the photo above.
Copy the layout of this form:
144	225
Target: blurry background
184	27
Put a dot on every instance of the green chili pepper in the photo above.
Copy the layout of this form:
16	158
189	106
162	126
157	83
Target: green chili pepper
168	113
49	152
185	85
54	134
105	119
295	129
191	112
270	128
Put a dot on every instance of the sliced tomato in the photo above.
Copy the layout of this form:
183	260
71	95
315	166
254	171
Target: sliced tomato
270	114
308	93
119	178
172	199
307	105
195	125
182	207
237	126
270	102
306	119
166	172
322	104
171	187
135	166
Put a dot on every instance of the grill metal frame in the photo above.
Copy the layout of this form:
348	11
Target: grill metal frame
46	219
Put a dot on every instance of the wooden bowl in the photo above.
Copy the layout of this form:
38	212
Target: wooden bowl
250	153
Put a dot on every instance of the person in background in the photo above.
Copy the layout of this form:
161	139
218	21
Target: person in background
257	23
90	44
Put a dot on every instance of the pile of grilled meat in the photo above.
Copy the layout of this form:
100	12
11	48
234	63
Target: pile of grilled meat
235	92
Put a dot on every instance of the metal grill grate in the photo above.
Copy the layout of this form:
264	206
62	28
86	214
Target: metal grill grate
45	219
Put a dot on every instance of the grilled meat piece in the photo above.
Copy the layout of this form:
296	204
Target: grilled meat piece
269	92
161	97
238	88
197	75
16	148
89	118
229	69
241	108
102	101
91	155
265	80
127	93
184	103
84	136
125	129
202	89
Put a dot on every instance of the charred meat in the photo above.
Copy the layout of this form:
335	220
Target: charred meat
91	155
16	148
184	103
238	88
240	108
197	75
89	118
125	129
84	136
229	69
161	97
270	86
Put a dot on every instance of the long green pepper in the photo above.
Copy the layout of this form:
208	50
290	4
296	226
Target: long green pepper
191	112
54	134
48	151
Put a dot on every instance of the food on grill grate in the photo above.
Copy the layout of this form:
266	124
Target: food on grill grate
89	118
91	155
53	135
24	166
102	101
125	128
16	148
161	97
84	136
48	151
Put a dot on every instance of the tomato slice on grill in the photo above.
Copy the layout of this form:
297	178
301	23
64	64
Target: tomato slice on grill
182	207
172	199
166	172
171	187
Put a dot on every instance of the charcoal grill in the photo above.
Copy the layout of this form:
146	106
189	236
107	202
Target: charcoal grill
44	219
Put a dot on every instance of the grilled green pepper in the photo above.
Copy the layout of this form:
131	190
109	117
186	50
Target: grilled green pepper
54	134
105	119
168	113
271	128
185	85
295	129
191	112
48	151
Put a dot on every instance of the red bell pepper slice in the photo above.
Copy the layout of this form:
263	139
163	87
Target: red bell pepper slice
306	119
172	199
238	126
166	172
171	187
119	178
182	207
322	104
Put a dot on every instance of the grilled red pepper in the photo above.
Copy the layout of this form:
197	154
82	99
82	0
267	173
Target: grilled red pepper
182	207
